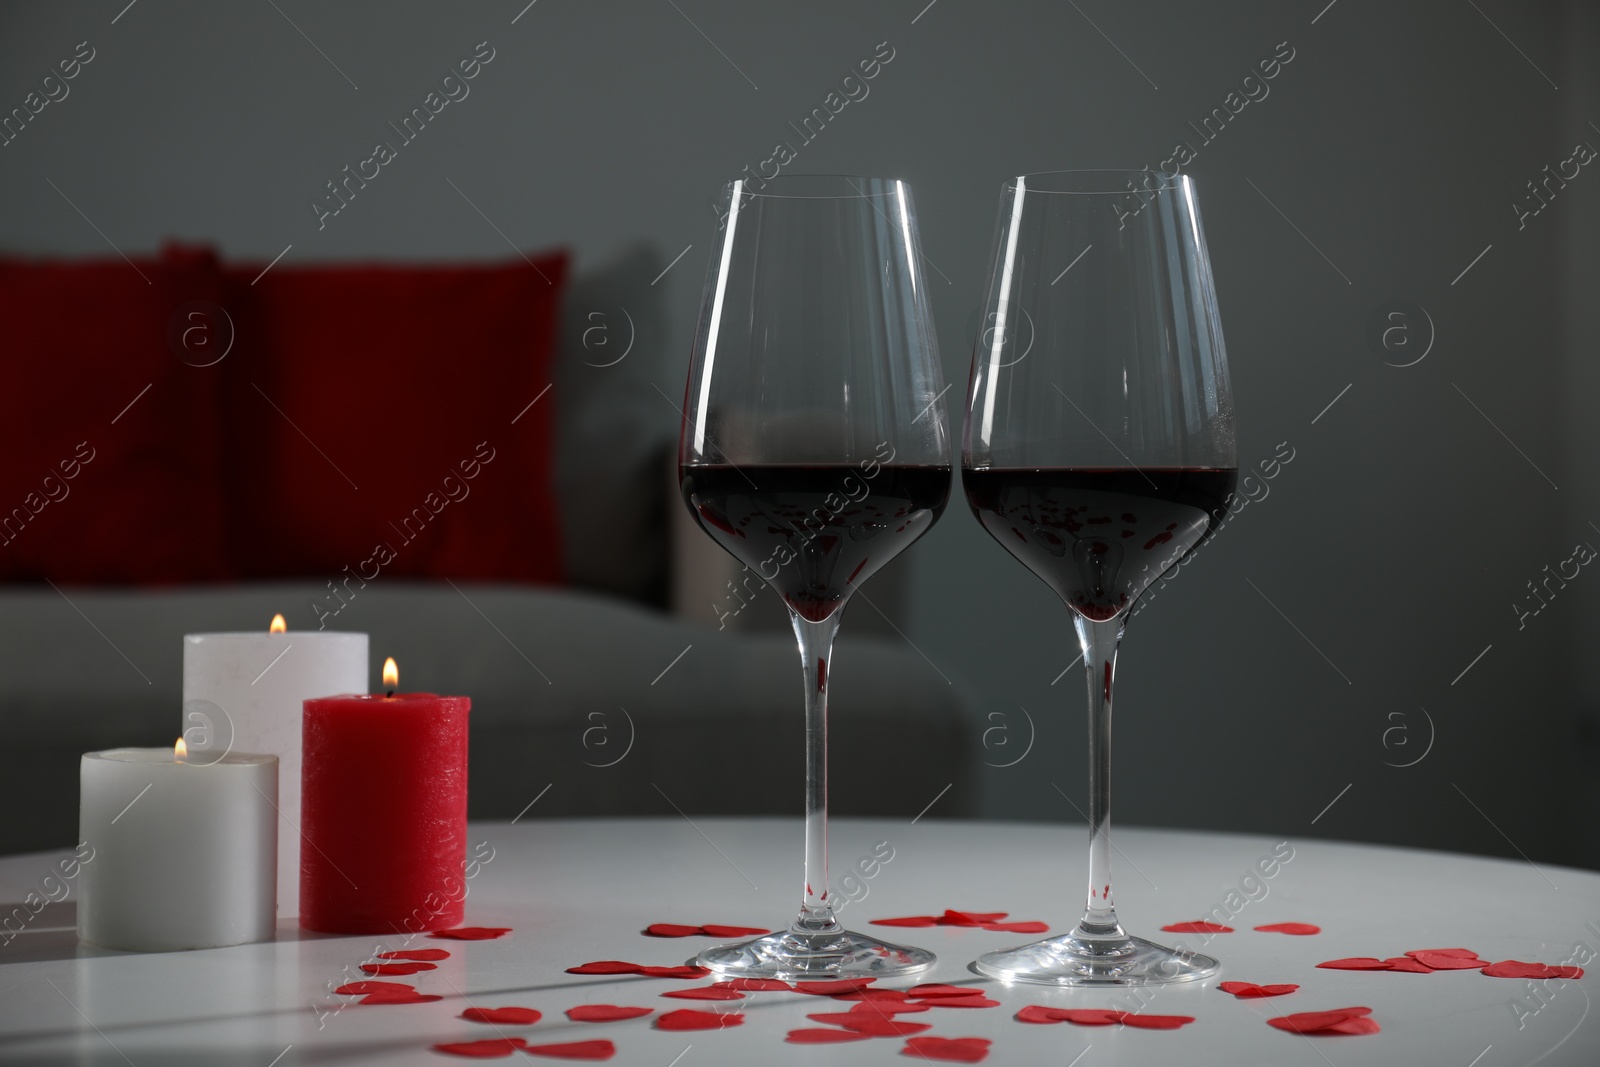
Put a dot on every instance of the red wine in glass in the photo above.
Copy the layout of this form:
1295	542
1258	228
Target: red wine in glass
813	533
1099	536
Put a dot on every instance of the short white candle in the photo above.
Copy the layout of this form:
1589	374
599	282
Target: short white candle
185	855
254	686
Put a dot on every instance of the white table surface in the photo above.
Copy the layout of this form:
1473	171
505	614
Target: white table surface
575	891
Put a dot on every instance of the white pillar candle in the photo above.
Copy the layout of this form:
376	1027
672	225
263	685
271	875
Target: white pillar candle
185	855
246	692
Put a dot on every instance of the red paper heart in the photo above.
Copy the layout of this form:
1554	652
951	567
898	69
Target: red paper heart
1197	928
890	1007
1354	963
574	1050
1464	953
1087	1016
949	1049
1356	1025
754	985
605	967
397	968
824	1037
1441	962
1312	1022
490	1048
1249	990
363	988
604	1013
1156	1022
425	954
403	996
828	989
1030	927
1519	969
908	920
713	930
1298	929
507	1016
961	1002
674	972
940	989
670	930
873	994
704	993
1407	965
689	1019
970	918
868	1022
472	933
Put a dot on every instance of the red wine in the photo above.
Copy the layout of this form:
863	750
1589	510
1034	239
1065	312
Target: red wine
1099	537
814	533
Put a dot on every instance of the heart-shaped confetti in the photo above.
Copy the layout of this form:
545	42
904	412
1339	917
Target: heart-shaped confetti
891	1007
605	967
1298	929
1249	990
1038	1013
1519	969
970	918
674	972
1336	1021
754	985
907	920
1087	1016
398	968
831	988
1407	965
1354	963
1201	927
605	1013
948	1049
1033	927
427	955
502	1016
490	1048
873	994
357	989
472	933
1141	1021
1441	962
689	1019
961	1002
670	930
705	993
402	997
574	1050
868	1022
940	989
824	1037
1464	953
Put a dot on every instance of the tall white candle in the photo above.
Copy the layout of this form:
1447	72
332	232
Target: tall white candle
185	855
246	692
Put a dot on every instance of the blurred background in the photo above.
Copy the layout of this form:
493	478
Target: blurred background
1403	222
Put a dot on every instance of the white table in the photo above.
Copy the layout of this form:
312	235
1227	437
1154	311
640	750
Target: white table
576	891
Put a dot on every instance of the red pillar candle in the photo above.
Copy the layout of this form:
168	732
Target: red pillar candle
384	812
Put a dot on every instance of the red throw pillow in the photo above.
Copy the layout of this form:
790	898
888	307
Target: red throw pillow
378	422
109	427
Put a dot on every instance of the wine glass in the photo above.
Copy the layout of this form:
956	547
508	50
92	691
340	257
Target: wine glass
1099	450
814	450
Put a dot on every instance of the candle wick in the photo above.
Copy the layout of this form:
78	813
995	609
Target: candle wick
389	695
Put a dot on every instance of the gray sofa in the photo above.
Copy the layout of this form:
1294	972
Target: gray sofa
571	687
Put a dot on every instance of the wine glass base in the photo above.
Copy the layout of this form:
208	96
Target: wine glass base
1074	960
794	955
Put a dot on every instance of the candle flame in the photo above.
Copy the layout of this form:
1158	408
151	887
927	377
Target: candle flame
278	625
180	751
391	675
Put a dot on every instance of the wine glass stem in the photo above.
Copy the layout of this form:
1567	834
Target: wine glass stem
1099	641
816	649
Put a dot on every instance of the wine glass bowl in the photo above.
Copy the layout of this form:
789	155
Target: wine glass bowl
1099	451
814	451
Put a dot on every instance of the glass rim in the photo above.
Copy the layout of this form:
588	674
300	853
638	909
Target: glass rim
1143	180
793	180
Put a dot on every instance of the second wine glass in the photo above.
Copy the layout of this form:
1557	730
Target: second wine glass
814	450
1099	452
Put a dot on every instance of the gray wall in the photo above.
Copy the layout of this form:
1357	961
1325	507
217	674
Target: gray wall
1390	149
